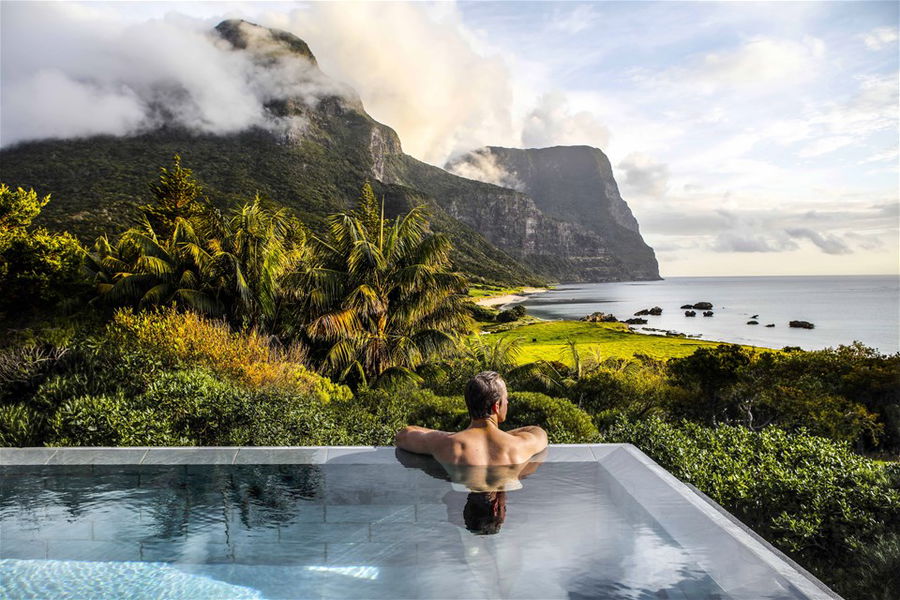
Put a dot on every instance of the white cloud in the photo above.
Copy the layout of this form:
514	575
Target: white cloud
644	175
730	241
481	165
880	37
67	73
829	244
417	68
825	145
886	156
758	62
553	123
50	104
575	20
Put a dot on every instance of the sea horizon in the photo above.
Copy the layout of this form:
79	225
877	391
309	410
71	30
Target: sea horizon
867	311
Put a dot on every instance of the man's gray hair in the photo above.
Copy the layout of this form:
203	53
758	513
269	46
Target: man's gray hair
482	392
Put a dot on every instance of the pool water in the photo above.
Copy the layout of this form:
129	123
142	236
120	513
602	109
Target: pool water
386	530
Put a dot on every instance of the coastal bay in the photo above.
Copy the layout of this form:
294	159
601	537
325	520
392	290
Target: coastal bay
842	308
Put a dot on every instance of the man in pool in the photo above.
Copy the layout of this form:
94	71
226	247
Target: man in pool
482	442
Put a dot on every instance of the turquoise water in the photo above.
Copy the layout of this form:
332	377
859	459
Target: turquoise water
349	531
843	309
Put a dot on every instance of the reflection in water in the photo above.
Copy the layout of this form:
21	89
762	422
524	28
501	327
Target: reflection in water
485	512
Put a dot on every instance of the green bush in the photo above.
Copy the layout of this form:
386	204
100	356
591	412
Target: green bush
481	313
166	339
110	420
511	314
38	269
20	426
564	422
813	498
850	394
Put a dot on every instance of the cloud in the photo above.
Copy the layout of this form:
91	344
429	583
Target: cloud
553	123
417	68
481	165
886	156
759	61
731	241
644	176
825	145
830	244
866	242
575	20
68	73
880	37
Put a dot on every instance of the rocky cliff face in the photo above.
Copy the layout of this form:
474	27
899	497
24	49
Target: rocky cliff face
318	148
573	185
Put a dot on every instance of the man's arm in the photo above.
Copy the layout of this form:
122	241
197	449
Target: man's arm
419	439
534	439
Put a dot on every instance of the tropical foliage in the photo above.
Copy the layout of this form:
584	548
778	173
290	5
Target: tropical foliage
185	252
383	298
37	268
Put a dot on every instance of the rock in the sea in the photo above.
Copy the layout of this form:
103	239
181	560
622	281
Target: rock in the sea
707	313
702	306
802	324
600	317
636	321
655	311
690	313
755	317
752	322
771	325
688	306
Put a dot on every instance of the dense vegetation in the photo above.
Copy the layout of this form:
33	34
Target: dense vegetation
246	327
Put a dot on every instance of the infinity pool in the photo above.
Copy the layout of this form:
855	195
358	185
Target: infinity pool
597	521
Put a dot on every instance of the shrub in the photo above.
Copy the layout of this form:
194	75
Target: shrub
20	426
193	407
564	422
813	498
167	339
481	313
24	368
37	268
110	420
511	314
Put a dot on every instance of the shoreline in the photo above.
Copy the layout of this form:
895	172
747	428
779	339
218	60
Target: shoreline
496	301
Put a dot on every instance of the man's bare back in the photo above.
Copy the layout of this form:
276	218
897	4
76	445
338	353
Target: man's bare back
482	442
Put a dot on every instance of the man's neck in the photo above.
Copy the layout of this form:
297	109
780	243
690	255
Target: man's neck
486	423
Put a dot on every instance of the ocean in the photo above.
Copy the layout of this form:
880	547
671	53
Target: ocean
844	309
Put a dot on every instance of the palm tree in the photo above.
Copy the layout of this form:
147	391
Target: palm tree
251	253
142	270
185	252
382	297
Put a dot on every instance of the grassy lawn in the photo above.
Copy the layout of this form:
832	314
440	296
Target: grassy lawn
608	339
488	291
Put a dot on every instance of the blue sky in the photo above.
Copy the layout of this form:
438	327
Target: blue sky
748	138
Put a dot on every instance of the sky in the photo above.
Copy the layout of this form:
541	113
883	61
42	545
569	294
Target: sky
747	138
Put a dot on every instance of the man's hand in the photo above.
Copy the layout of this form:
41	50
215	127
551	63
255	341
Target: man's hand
418	439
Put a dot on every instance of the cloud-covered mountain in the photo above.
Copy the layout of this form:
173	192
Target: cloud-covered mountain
309	146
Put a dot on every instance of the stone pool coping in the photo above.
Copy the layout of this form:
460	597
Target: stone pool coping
620	459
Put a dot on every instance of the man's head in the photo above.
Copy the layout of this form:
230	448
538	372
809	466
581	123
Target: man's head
485	512
486	395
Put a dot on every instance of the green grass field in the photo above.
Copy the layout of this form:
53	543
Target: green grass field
548	340
489	291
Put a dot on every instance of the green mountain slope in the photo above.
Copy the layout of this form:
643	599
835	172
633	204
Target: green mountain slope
312	156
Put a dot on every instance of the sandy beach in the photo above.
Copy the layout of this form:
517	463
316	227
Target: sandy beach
495	301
